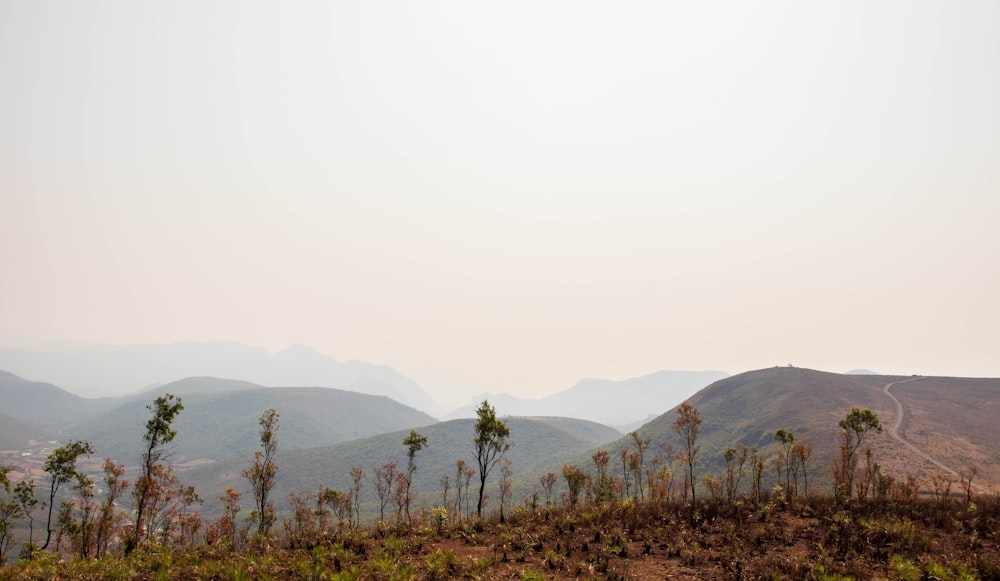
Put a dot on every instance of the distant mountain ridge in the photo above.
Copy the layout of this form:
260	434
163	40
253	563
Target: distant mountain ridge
104	370
612	403
45	404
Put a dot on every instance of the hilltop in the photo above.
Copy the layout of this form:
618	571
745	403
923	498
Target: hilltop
219	420
45	404
953	419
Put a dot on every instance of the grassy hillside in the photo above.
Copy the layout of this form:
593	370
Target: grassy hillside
224	424
814	540
954	418
537	444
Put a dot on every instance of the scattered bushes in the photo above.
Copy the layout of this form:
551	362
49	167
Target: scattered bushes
815	539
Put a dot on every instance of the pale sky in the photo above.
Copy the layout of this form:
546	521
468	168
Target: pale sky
508	196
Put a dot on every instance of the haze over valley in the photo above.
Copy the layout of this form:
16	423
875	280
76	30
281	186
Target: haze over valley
324	430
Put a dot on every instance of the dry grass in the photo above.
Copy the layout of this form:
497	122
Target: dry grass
814	539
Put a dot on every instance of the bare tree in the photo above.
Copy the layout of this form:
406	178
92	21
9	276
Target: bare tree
967	476
547	481
506	486
445	482
638	464
459	477
801	452
686	426
357	482
385	477
735	459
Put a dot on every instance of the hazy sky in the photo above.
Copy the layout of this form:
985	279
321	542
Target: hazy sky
508	196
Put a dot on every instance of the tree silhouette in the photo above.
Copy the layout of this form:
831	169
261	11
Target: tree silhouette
159	432
385	476
357	482
24	495
10	510
856	427
491	442
61	466
735	460
638	461
263	471
787	439
414	443
115	485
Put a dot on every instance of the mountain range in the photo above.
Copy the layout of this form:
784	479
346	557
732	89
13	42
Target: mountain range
624	404
103	370
106	370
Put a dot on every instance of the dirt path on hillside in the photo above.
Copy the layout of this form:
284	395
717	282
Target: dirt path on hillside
898	423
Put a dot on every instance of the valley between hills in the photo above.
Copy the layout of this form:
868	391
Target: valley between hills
947	426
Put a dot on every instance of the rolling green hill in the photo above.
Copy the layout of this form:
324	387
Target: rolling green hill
223	424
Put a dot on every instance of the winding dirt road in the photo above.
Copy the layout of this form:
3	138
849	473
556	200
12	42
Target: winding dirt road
898	423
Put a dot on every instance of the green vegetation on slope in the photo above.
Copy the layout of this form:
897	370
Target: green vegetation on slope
538	443
223	425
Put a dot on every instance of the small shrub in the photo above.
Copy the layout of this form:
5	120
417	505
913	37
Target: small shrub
554	560
905	569
439	515
441	564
